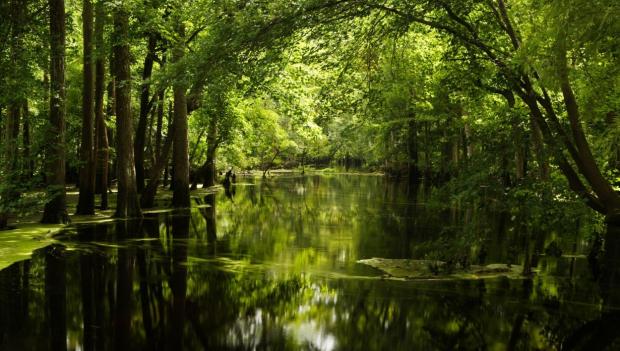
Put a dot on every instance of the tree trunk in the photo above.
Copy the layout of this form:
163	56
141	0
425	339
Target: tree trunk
101	130
55	210
127	204
600	185
180	150
144	111
86	199
111	111
574	182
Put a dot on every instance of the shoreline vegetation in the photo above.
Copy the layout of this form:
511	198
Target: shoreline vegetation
27	234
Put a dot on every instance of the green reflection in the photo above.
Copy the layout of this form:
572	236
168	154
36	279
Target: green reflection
273	265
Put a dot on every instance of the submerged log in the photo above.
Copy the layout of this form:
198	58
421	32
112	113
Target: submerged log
431	269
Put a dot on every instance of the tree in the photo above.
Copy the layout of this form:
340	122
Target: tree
9	193
86	200
101	129
180	149
127	204
55	210
488	30
145	107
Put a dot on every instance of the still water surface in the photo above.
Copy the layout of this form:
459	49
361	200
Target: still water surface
272	265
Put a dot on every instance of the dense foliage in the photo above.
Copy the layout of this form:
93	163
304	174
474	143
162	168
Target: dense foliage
518	98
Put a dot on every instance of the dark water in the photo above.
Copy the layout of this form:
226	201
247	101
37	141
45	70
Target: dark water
272	266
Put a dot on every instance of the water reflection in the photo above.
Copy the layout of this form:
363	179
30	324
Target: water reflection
272	265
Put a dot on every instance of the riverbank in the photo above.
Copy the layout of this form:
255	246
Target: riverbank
27	234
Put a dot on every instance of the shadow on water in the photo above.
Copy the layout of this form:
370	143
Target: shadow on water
273	265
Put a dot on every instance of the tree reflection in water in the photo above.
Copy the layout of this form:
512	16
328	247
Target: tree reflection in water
276	269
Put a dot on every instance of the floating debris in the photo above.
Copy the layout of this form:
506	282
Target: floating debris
431	269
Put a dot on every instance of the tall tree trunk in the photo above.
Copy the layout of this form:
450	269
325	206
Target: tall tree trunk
111	111
86	199
101	130
144	111
127	204
180	149
55	210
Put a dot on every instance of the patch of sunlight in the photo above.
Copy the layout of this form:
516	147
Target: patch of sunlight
18	244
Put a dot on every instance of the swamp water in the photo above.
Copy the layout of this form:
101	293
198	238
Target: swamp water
273	265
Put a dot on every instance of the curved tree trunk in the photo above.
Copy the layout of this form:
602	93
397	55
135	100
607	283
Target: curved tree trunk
601	186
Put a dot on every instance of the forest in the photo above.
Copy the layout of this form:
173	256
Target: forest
125	109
